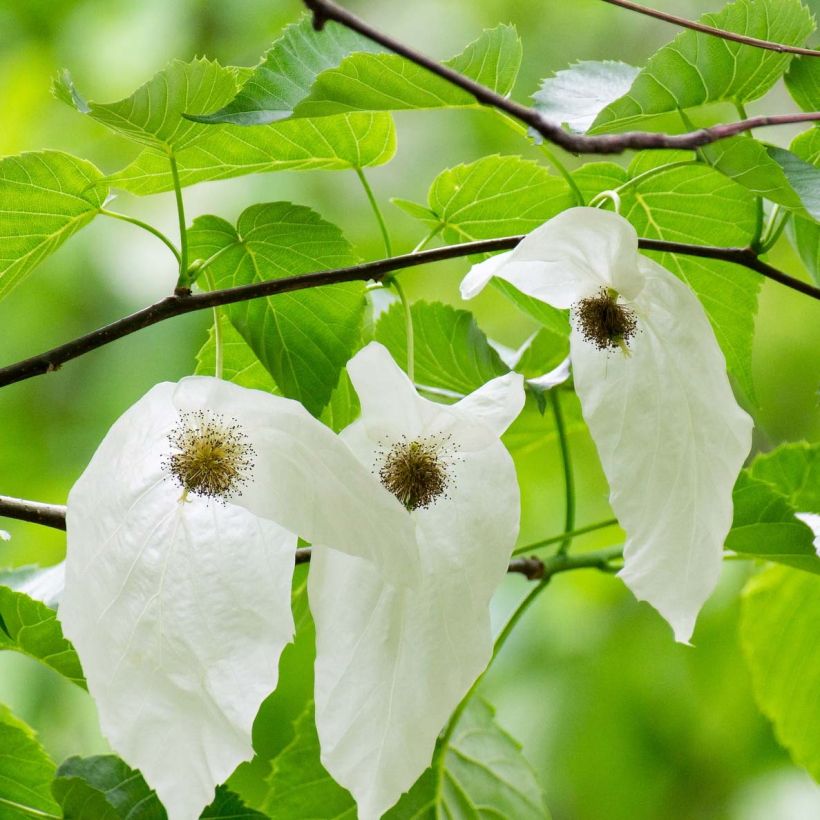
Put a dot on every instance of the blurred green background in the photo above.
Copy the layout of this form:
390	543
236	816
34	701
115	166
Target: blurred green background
618	720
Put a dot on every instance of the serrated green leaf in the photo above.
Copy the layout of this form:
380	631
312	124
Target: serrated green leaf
689	204
30	627
779	625
594	177
25	772
239	363
803	82
303	338
226	151
387	82
807	146
794	469
451	353
420	212
106	788
764	526
45	197
575	95
152	115
287	71
481	773
695	69
803	177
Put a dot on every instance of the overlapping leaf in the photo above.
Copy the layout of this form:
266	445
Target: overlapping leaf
803	82
794	470
25	772
302	338
695	68
45	197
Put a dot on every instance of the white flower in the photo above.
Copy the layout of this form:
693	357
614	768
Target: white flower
181	540
654	392
393	663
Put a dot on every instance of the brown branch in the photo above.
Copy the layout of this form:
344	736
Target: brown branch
325	10
185	302
715	32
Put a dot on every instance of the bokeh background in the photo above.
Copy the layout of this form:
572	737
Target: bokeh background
618	720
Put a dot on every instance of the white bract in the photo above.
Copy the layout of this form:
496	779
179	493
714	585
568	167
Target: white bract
393	663
812	521
654	392
181	540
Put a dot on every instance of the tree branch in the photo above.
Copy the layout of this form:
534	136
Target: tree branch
715	32
49	515
325	10
184	302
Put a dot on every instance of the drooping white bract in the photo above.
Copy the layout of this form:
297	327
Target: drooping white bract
393	663
181	540
654	392
812	521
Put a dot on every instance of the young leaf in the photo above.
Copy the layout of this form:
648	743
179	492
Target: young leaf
152	115
574	96
30	627
287	71
387	82
302	338
25	772
779	625
45	197
689	204
803	82
696	68
451	353
227	151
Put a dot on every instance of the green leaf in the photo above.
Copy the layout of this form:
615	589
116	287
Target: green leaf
495	196
594	177
451	352
152	115
300	786
764	526
387	82
553	319
545	351
574	96
227	151
30	627
25	772
807	145
239	363
803	177
343	407
480	773
803	82
779	625
806	237
303	338
689	204
106	788
287	71
794	469
45	197
695	69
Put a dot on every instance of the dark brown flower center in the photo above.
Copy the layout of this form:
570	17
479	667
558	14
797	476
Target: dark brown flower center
209	457
415	472
604	322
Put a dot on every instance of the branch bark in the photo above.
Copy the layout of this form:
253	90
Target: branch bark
185	302
326	10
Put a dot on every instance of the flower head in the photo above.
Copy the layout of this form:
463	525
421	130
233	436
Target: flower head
654	392
392	663
179	602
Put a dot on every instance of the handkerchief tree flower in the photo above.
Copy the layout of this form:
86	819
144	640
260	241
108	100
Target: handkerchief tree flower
393	662
181	539
654	392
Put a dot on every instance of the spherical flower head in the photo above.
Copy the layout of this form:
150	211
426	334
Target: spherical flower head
416	472
654	392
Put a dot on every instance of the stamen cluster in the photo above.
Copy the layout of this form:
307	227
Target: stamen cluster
415	471
210	458
604	322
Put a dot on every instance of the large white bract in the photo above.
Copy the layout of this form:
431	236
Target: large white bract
654	392
393	663
179	607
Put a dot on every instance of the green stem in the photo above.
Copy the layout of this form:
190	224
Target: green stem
569	484
183	234
778	220
219	351
145	226
651	172
408	324
612	522
430	236
376	210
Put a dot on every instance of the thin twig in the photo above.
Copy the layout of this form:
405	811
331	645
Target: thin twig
715	32
325	10
49	515
183	302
